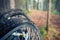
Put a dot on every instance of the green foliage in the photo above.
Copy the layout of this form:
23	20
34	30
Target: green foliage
54	1
55	12
43	31
54	35
27	11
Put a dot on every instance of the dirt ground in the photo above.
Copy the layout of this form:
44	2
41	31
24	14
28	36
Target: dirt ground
40	17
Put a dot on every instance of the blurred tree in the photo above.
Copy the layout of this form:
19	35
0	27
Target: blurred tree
57	6
4	5
19	4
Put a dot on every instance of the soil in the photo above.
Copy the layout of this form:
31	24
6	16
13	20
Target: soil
40	17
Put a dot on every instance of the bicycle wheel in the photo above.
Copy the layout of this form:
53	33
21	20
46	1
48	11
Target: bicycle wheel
14	24
33	34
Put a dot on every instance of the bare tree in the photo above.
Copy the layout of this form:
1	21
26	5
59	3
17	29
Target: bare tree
48	16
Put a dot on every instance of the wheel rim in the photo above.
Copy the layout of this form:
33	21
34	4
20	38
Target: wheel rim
33	35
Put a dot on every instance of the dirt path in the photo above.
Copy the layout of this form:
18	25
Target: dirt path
40	17
55	20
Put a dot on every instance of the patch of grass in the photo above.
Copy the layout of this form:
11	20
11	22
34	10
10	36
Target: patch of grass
55	12
52	32
43	31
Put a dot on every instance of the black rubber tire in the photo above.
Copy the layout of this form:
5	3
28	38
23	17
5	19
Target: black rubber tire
14	12
10	24
16	28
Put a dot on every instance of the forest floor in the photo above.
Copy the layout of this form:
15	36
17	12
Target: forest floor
40	17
